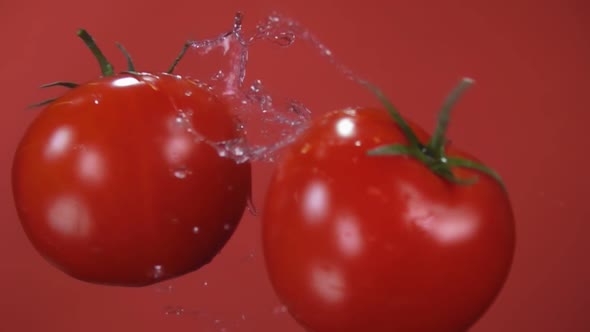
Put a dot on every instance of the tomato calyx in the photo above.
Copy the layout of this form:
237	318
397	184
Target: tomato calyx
432	154
106	67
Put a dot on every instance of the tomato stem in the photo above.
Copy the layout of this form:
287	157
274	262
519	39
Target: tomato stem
130	65
438	140
105	67
179	57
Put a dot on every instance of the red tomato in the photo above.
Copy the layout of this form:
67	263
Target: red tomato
357	242
119	182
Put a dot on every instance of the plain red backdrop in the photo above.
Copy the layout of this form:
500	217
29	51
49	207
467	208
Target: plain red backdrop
526	117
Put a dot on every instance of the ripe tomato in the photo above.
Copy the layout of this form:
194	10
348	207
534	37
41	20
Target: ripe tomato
119	181
360	242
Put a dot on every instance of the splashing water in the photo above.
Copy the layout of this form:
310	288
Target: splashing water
278	121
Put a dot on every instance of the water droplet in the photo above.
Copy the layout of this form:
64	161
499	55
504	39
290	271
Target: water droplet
158	271
188	93
252	207
174	310
256	86
443	159
218	76
305	149
205	283
227	227
280	309
349	111
243	316
284	38
196	230
249	257
164	288
238	151
96	102
357	143
181	173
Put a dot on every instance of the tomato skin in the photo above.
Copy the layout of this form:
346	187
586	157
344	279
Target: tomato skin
113	185
354	242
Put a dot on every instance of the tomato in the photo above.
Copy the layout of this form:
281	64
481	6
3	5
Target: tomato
120	182
357	241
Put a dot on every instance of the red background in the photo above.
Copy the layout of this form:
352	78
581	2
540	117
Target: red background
526	117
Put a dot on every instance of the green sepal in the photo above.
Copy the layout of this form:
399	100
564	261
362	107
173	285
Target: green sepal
130	65
392	150
397	117
448	175
105	66
438	140
69	85
43	103
179	57
465	163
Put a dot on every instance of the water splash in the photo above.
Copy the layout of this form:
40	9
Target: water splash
276	121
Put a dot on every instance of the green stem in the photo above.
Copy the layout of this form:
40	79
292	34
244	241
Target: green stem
130	65
185	48
437	142
397	117
105	67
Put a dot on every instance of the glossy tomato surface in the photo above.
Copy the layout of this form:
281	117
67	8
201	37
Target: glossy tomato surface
119	181
354	242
